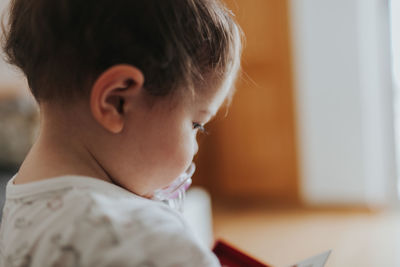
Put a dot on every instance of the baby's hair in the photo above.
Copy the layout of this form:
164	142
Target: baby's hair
62	46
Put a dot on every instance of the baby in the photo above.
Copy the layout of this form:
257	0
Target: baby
123	87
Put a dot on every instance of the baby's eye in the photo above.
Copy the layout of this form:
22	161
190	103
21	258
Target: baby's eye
199	127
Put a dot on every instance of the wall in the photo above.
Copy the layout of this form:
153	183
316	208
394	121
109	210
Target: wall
344	101
251	154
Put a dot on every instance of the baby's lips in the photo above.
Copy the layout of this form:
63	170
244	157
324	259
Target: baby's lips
176	187
182	178
185	176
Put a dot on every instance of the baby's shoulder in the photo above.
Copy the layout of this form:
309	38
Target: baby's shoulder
136	230
81	226
124	211
127	215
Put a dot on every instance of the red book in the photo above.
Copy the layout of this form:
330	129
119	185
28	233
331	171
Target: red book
231	257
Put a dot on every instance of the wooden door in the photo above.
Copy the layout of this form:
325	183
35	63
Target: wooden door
251	154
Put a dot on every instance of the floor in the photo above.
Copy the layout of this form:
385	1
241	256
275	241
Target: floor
284	237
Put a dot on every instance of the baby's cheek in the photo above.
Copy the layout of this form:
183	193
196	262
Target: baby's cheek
166	157
183	154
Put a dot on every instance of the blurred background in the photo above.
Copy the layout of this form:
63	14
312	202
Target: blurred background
306	159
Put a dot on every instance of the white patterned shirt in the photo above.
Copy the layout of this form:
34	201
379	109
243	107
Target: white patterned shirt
82	221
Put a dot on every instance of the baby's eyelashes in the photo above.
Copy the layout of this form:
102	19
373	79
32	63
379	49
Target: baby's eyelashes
200	127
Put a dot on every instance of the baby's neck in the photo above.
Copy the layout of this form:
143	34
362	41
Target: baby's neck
58	151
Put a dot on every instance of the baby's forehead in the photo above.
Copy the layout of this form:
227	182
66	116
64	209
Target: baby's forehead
210	99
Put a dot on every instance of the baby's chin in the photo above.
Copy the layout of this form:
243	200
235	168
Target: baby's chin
151	193
148	195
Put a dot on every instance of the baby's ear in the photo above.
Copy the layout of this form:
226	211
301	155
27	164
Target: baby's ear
111	91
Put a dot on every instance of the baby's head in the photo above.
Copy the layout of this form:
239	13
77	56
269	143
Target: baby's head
132	82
